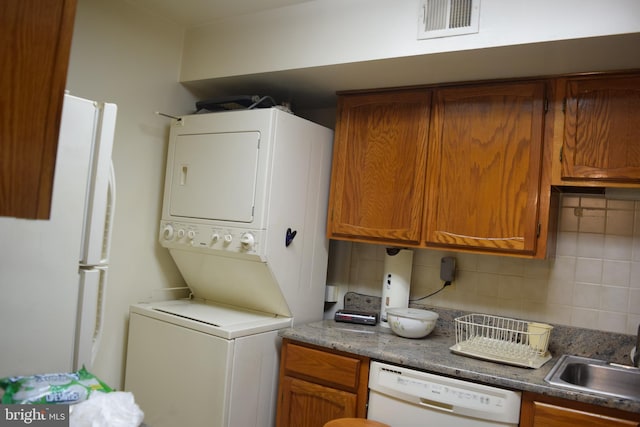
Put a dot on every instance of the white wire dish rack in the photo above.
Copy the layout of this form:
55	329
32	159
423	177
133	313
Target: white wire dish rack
500	339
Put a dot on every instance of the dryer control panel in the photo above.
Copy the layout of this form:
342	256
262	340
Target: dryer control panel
186	235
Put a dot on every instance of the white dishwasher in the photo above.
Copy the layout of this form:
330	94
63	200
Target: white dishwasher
404	397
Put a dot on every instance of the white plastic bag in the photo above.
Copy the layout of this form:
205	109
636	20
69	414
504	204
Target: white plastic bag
115	409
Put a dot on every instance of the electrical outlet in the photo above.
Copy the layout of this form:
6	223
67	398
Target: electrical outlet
447	269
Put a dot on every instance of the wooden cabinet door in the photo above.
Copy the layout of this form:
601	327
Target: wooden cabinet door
379	161
602	129
485	167
34	55
545	411
305	404
318	385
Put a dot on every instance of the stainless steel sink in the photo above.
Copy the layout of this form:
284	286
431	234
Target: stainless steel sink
595	376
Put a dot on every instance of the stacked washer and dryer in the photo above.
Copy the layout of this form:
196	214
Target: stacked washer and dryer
243	217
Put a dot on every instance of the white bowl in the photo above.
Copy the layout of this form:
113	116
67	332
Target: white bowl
411	322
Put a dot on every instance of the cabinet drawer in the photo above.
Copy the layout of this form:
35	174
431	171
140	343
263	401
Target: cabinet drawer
538	410
328	368
557	416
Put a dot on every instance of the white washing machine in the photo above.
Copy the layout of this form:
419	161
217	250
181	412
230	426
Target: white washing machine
243	217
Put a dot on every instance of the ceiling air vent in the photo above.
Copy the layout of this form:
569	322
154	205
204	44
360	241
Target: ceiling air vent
442	18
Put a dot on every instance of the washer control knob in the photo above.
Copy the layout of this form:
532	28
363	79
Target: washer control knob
191	234
228	238
247	240
181	233
168	232
215	237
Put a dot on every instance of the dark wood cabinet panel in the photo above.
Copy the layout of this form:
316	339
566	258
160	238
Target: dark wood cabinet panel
36	40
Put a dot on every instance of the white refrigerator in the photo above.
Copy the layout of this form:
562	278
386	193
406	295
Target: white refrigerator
53	273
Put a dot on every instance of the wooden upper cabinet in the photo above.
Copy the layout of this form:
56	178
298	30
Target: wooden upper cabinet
485	167
36	40
601	128
379	167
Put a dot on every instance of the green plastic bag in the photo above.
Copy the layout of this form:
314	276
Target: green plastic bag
67	388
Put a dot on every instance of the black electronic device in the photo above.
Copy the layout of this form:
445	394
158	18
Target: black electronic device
240	102
447	269
354	316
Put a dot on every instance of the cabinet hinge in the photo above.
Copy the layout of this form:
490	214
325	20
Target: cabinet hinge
546	105
538	231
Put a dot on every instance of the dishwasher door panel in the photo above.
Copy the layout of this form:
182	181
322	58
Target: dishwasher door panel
405	397
398	413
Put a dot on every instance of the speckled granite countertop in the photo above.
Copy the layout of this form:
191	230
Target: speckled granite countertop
432	354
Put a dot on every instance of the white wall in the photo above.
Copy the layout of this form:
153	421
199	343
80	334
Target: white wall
328	32
124	55
594	281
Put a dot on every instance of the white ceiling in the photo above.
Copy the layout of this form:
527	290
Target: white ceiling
190	13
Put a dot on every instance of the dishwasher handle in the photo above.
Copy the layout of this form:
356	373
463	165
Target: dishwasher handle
433	404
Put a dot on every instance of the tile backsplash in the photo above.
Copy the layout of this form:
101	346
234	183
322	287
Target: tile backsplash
593	282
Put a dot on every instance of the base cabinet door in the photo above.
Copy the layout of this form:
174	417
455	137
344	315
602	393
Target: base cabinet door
544	411
305	404
318	385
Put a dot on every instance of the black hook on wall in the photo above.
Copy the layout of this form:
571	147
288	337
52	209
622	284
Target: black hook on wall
289	237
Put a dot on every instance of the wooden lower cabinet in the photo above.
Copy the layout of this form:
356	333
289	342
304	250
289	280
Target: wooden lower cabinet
317	385
309	404
544	411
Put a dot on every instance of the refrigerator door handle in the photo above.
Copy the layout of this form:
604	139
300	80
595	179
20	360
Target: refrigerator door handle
111	210
90	320
100	205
